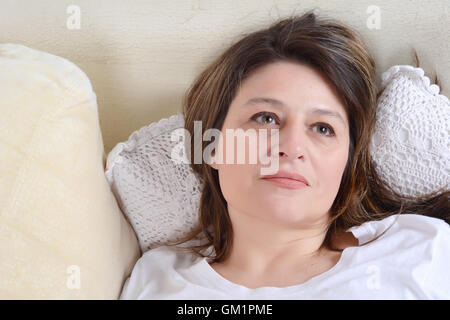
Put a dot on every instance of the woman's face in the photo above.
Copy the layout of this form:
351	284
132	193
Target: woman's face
312	144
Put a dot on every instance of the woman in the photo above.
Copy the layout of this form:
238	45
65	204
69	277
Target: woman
342	233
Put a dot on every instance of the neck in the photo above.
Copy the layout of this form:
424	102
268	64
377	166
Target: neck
261	247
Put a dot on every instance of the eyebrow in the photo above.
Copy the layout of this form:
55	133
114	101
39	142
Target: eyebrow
280	105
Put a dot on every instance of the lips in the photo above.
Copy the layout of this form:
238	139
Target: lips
286	179
287	183
285	176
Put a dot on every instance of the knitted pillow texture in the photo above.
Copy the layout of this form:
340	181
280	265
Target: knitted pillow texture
409	148
160	197
62	234
411	143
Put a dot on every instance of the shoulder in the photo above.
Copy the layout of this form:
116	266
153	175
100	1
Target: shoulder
148	267
166	257
154	268
415	247
410	228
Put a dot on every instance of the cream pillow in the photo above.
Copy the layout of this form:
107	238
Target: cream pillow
62	233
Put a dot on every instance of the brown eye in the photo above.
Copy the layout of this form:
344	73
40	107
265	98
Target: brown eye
267	117
324	128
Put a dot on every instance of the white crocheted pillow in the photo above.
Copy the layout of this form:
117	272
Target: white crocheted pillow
409	148
159	196
411	142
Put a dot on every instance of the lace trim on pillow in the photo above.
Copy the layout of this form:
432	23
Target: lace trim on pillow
136	138
417	74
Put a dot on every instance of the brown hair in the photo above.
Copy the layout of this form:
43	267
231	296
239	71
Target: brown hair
338	53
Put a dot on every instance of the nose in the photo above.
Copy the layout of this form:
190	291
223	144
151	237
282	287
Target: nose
292	142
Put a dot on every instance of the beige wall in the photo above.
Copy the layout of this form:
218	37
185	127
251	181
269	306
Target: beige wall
141	56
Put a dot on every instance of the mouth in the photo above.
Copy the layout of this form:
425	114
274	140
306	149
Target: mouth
286	183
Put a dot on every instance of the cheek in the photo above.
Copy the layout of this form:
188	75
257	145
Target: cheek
235	183
330	174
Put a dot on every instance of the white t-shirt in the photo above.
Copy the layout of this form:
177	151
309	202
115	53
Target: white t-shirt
410	261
